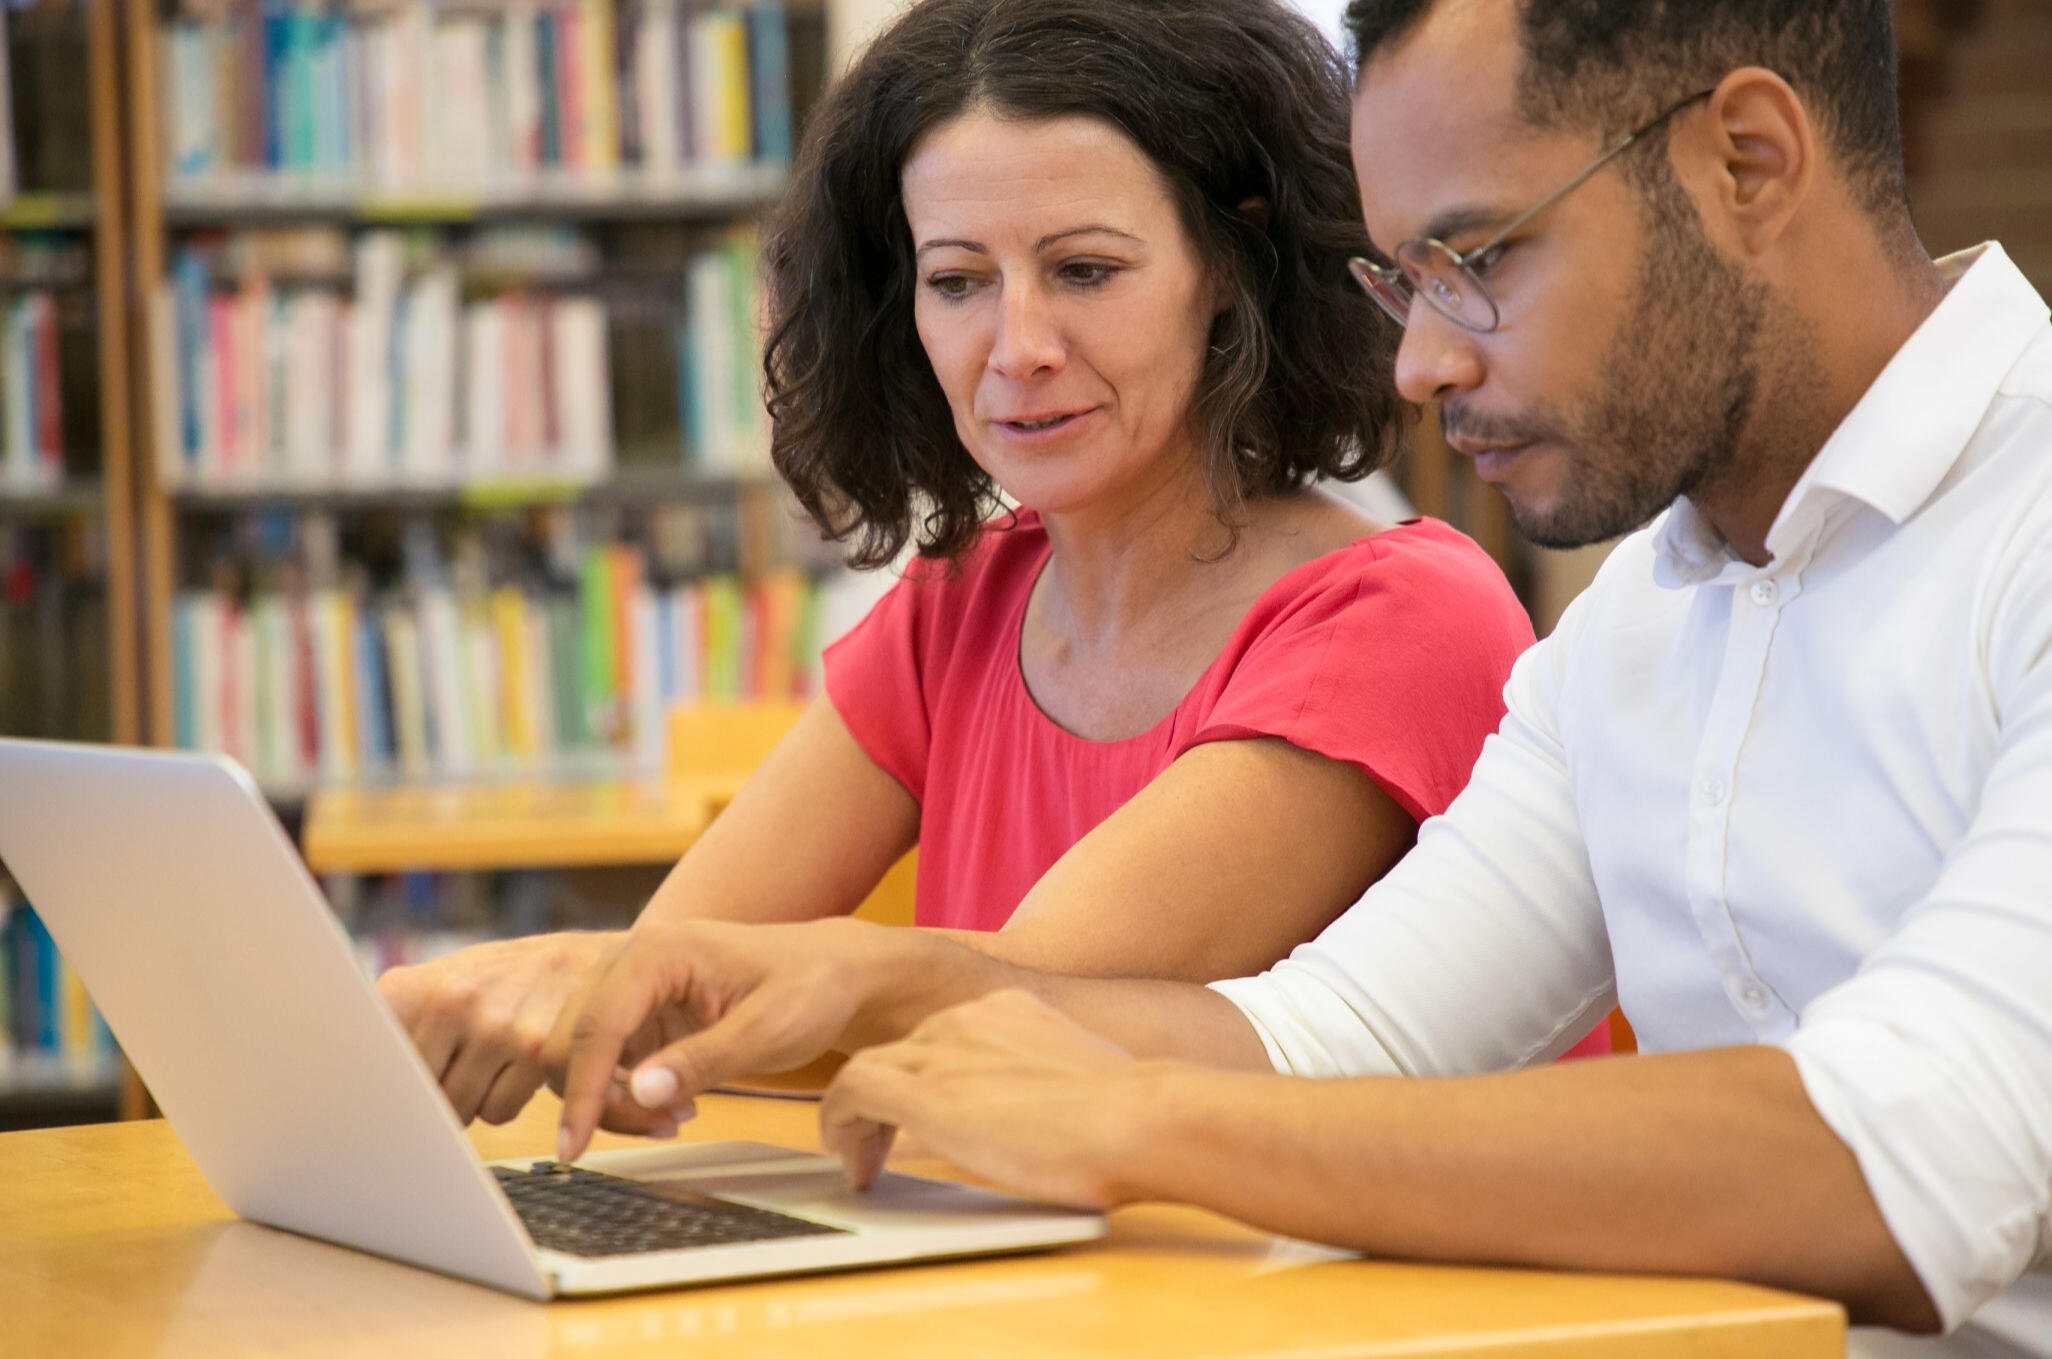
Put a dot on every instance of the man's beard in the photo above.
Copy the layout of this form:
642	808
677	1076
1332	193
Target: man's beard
1681	385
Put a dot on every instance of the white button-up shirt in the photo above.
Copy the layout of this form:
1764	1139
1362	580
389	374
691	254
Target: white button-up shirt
1806	804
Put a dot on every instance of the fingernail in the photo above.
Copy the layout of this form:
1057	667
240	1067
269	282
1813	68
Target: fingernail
684	1110
654	1087
562	1144
663	1132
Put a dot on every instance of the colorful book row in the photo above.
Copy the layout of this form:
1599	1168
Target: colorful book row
434	682
43	1004
54	634
399	379
31	392
423	96
408	377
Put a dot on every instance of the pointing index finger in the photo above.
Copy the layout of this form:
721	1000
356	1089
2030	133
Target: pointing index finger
616	1004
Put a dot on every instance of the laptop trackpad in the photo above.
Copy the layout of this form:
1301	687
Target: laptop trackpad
814	1187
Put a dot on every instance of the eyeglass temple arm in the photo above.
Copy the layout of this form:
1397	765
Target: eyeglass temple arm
1582	177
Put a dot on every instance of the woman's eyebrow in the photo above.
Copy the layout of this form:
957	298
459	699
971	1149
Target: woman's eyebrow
1094	228
979	248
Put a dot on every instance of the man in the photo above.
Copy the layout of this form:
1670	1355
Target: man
1781	781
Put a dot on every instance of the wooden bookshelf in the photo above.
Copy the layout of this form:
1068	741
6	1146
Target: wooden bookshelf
645	226
42	1087
226	195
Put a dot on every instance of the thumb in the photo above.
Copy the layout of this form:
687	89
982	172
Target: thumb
773	1028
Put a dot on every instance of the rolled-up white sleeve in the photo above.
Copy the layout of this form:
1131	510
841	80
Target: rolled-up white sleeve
1483	949
1933	1063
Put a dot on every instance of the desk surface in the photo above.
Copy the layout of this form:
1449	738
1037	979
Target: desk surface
112	1245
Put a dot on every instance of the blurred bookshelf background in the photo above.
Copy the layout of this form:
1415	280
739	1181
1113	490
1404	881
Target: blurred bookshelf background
378	406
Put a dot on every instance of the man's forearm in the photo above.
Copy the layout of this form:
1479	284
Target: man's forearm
1705	1163
910	975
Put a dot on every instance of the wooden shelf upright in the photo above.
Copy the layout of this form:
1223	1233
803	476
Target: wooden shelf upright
98	211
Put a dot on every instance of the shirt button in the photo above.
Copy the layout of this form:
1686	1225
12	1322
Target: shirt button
1753	996
1711	791
1765	592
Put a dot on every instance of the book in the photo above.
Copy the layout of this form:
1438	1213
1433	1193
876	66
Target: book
468	668
47	100
405	376
6	117
45	1011
389	97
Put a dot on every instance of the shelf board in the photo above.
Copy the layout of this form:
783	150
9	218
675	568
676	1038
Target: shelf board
39	1088
569	769
702	192
45	211
538	824
38	500
623	485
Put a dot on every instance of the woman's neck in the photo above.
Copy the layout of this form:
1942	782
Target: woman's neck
1118	575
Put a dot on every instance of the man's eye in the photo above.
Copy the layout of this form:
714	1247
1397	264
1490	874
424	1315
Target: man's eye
1484	262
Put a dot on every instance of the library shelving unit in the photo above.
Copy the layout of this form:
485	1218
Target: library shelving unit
447	378
68	645
452	482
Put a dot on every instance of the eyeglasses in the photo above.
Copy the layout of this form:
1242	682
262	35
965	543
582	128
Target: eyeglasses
1449	280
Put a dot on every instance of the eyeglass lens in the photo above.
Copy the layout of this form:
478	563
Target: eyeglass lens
1438	275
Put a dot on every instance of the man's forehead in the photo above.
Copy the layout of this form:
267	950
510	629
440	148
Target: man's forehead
1435	114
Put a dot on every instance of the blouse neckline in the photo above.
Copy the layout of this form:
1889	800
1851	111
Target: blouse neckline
1016	627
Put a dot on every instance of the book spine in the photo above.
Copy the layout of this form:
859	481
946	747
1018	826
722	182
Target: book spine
769	70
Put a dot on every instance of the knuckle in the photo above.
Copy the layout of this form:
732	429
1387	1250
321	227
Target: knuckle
586	1031
458	995
528	1041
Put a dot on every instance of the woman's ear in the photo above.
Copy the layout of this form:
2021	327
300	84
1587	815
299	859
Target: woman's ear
1255	211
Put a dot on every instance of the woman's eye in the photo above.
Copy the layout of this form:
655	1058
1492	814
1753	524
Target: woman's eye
952	287
1088	273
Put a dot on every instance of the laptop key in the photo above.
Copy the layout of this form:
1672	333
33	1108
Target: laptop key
584	1212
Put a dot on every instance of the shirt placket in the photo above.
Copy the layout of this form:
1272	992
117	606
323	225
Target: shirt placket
1756	606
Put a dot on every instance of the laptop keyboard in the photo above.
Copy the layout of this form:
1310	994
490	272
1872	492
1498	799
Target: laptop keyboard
583	1212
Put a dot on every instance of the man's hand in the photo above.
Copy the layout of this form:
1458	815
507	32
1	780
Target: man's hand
680	1008
1006	1087
481	1015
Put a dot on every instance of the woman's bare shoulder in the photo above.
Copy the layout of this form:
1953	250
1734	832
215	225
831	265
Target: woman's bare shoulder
1289	531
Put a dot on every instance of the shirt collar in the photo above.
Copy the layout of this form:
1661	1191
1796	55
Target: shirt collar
1906	432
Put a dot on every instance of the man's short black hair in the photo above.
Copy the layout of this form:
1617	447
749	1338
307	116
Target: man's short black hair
1610	64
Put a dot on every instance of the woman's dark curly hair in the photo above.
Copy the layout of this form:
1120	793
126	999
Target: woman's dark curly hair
1231	99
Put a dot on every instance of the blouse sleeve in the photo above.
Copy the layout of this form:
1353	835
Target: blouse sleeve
873	678
1392	659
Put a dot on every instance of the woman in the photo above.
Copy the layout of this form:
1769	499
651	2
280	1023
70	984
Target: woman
1170	715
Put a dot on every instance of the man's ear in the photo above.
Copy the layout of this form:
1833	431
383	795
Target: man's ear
1764	155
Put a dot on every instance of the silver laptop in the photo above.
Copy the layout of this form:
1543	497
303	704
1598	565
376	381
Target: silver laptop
172	889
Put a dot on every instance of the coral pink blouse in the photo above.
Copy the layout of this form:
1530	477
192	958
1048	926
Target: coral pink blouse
1389	654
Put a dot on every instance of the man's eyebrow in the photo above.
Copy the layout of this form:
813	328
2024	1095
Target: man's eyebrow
979	248
1455	221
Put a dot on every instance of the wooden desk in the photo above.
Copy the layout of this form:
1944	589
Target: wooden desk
111	1245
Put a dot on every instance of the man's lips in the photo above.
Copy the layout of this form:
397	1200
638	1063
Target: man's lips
1492	460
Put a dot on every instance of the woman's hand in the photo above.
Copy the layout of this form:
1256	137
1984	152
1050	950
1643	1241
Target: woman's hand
681	1007
480	1016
